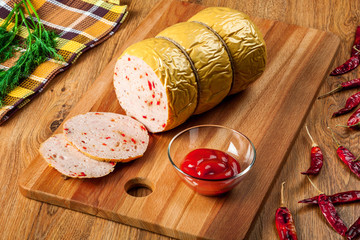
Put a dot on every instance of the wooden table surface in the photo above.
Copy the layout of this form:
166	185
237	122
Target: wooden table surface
22	218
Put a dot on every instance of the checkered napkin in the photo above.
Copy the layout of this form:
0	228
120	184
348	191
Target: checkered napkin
81	25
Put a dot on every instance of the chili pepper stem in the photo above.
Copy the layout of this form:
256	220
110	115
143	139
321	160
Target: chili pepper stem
312	140
340	125
354	47
333	135
356	159
314	185
282	204
347	126
331	92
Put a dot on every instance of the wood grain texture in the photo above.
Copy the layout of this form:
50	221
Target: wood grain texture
172	209
21	218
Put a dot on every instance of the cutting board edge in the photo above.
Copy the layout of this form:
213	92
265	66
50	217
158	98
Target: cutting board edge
103	213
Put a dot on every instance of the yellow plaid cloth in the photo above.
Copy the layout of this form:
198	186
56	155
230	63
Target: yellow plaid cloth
81	25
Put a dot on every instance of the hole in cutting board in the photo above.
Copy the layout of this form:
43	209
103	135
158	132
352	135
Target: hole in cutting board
139	187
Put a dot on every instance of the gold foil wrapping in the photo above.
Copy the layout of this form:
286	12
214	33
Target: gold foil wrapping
244	40
210	58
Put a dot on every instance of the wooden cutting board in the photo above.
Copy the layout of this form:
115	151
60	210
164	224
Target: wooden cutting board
270	112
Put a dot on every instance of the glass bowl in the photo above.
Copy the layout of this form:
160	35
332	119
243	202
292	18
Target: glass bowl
227	140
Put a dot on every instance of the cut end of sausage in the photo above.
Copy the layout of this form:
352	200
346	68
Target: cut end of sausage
140	92
69	161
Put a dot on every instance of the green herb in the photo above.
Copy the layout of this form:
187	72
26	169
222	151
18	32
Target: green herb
40	45
7	38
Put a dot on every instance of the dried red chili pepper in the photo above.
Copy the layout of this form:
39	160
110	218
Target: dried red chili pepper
284	221
343	86
354	231
353	62
356	45
316	157
354	83
347	157
354	120
329	212
351	103
342	197
349	65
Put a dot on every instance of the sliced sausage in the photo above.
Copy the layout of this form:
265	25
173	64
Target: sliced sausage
107	136
69	161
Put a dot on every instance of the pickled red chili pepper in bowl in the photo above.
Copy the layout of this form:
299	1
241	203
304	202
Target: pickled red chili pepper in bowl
211	159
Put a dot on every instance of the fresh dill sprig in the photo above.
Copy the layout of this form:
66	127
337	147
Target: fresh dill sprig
40	45
8	42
